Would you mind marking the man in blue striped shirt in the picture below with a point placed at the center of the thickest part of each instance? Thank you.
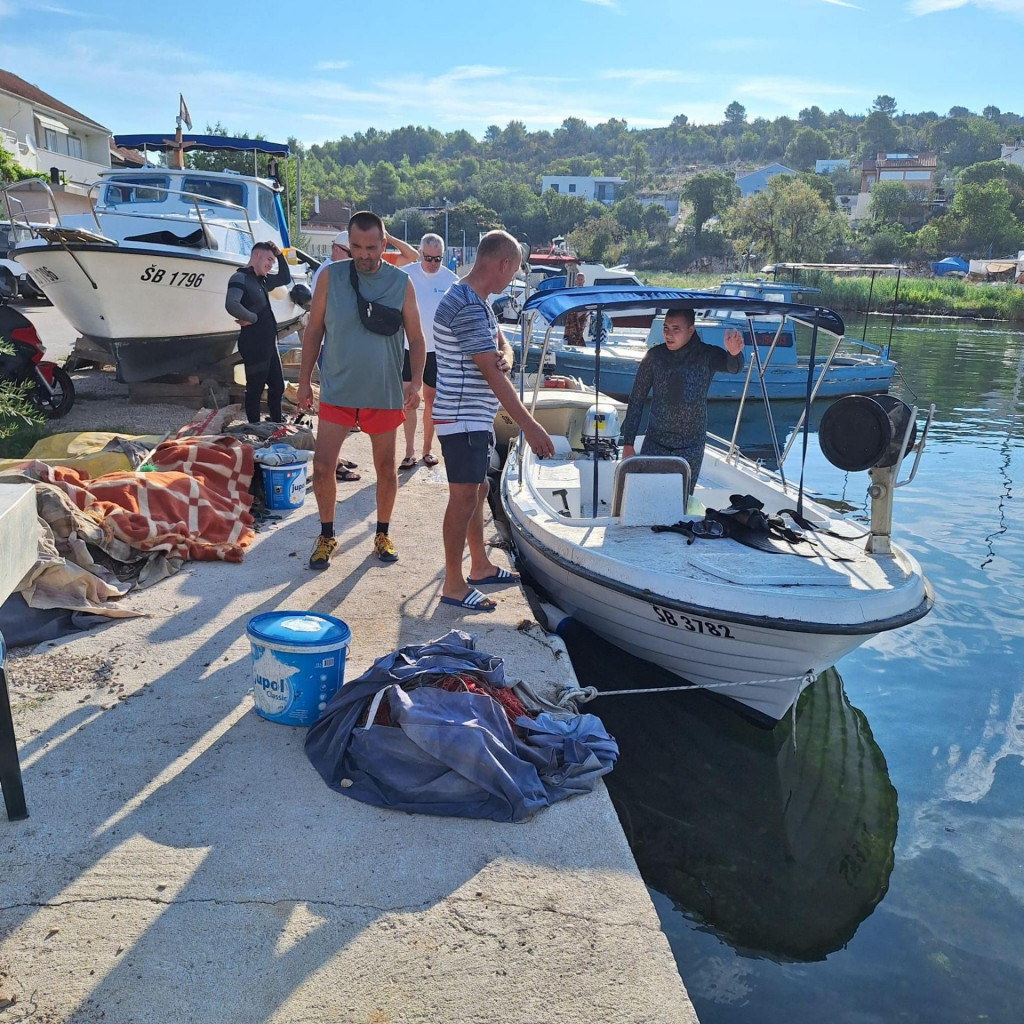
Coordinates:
(471, 382)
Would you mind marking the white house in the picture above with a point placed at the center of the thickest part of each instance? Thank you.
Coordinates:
(603, 190)
(1013, 153)
(41, 133)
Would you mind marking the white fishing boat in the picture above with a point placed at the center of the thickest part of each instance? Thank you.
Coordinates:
(144, 276)
(755, 608)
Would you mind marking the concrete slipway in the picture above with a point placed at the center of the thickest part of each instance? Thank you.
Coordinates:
(184, 863)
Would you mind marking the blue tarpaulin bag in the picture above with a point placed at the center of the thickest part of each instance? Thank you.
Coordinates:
(451, 753)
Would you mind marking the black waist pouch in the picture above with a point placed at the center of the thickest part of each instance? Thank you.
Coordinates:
(375, 316)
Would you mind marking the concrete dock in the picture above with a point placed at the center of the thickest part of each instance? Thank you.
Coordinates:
(184, 862)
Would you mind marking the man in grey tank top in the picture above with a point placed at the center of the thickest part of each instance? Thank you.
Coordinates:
(361, 376)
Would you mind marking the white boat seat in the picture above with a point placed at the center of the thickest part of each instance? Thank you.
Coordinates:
(563, 450)
(650, 490)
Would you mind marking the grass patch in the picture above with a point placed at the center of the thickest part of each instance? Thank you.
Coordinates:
(21, 438)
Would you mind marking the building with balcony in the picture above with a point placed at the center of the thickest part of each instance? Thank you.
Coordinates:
(601, 190)
(915, 170)
(45, 135)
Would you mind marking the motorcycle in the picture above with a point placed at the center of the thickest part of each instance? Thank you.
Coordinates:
(50, 387)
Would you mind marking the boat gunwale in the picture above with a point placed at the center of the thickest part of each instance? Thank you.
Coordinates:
(516, 519)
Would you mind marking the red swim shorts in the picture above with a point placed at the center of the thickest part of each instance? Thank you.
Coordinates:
(371, 421)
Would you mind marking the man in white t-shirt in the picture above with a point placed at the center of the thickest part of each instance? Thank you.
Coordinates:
(430, 280)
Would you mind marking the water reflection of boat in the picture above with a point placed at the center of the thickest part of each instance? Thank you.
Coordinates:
(781, 848)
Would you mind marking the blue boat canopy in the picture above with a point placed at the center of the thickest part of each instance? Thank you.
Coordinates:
(209, 143)
(551, 305)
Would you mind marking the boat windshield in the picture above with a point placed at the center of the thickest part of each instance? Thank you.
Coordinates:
(215, 188)
(138, 189)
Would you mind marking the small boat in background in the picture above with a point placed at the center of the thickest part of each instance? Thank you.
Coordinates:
(857, 367)
(143, 277)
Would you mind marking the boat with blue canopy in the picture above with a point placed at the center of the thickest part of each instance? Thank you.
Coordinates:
(143, 275)
(739, 582)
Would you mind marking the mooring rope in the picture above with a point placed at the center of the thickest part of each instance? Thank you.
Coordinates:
(584, 694)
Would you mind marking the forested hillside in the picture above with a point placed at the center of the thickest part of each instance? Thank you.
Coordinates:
(408, 174)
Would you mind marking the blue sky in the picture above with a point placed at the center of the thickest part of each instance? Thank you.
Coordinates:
(318, 70)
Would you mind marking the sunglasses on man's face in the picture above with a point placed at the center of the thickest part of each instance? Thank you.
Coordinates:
(431, 259)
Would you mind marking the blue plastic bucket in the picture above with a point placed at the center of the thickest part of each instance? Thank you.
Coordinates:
(298, 664)
(285, 486)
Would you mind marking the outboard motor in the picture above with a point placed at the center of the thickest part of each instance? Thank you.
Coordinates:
(873, 433)
(301, 296)
(601, 431)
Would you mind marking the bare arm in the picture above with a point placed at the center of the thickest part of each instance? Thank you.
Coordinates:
(312, 338)
(417, 346)
(536, 436)
(409, 254)
(506, 357)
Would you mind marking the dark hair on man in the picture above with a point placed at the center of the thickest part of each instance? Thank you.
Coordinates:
(366, 220)
(498, 245)
(685, 315)
(269, 246)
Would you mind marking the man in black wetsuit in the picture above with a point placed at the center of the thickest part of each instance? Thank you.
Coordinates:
(679, 373)
(249, 303)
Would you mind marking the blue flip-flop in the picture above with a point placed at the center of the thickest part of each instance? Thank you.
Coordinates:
(474, 601)
(501, 576)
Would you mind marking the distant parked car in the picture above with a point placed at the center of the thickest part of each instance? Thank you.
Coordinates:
(16, 277)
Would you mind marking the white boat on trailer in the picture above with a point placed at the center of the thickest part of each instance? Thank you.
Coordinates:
(756, 623)
(143, 277)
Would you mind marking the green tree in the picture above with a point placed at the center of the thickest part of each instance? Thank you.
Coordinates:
(656, 221)
(382, 187)
(813, 117)
(986, 220)
(885, 105)
(470, 216)
(710, 195)
(409, 224)
(597, 239)
(999, 170)
(787, 221)
(639, 165)
(877, 134)
(807, 146)
(11, 170)
(629, 213)
(892, 203)
(735, 113)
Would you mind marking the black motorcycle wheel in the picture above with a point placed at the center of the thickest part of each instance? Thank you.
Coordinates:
(58, 404)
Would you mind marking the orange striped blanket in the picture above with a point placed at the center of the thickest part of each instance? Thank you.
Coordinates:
(195, 506)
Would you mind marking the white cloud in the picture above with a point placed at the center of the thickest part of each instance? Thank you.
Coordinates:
(789, 92)
(842, 3)
(601, 3)
(919, 8)
(331, 65)
(642, 77)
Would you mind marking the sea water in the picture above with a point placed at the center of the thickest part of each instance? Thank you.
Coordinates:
(871, 866)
